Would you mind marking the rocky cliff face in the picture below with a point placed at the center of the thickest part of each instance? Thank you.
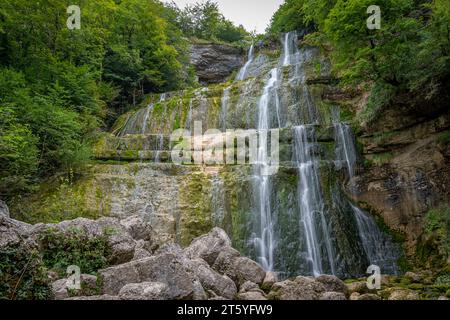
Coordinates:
(215, 62)
(406, 170)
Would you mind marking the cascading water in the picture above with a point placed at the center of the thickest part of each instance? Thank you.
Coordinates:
(145, 121)
(297, 221)
(160, 141)
(224, 108)
(243, 72)
(189, 117)
(264, 240)
(378, 247)
(218, 200)
(345, 146)
(290, 47)
(312, 221)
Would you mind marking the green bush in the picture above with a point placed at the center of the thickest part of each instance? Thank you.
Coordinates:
(23, 275)
(60, 250)
(433, 246)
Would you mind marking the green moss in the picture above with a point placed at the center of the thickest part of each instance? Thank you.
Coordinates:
(416, 286)
(57, 200)
(195, 219)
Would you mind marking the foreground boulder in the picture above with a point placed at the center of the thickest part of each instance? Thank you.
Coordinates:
(144, 291)
(221, 285)
(333, 284)
(300, 288)
(209, 246)
(165, 268)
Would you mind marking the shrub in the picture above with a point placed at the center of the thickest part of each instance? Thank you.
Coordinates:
(60, 250)
(23, 275)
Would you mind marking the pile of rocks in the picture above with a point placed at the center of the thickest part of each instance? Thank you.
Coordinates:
(143, 268)
(209, 268)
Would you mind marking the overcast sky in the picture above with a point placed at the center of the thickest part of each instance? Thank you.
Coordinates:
(252, 14)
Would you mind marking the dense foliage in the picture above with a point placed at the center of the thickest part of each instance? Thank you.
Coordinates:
(434, 245)
(58, 86)
(61, 250)
(411, 51)
(203, 20)
(23, 275)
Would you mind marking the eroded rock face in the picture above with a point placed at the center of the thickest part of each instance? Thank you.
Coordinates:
(215, 62)
(410, 179)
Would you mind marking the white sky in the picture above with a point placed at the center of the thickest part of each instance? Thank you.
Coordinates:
(252, 14)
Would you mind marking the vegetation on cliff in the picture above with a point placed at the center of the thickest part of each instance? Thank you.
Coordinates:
(59, 86)
(409, 54)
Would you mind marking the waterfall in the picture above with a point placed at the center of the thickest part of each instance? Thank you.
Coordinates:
(224, 108)
(218, 200)
(189, 117)
(378, 247)
(312, 220)
(160, 143)
(243, 72)
(345, 146)
(159, 148)
(138, 122)
(298, 220)
(290, 47)
(147, 113)
(264, 241)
